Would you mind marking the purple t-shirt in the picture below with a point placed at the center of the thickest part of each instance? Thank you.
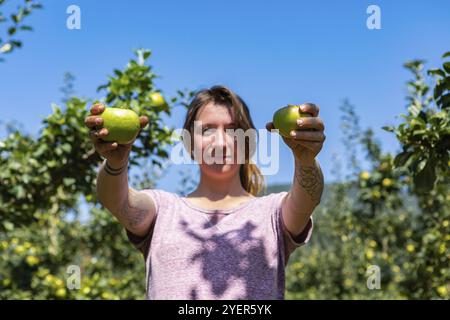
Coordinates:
(195, 253)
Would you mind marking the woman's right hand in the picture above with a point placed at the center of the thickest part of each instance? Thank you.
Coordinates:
(116, 154)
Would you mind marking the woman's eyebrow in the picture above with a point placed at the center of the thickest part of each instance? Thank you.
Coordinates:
(214, 125)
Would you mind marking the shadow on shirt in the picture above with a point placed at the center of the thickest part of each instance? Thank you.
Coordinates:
(234, 258)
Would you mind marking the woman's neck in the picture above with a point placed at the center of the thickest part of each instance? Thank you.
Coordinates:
(216, 190)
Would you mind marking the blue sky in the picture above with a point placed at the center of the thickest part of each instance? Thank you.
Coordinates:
(270, 52)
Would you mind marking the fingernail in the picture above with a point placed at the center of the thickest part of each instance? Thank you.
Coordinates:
(299, 122)
(98, 121)
(293, 133)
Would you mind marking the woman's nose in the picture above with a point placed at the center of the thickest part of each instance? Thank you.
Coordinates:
(220, 142)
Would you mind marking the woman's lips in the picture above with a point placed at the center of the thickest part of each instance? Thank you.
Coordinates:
(225, 160)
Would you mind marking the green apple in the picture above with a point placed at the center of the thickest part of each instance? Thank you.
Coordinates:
(157, 99)
(285, 119)
(123, 125)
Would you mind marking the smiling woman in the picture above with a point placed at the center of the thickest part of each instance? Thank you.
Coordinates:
(222, 241)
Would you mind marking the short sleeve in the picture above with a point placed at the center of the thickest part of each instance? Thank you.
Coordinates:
(143, 243)
(286, 241)
(291, 243)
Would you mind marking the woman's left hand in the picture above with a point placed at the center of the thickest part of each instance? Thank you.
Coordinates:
(307, 141)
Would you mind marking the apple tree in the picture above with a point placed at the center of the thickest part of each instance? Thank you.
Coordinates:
(50, 218)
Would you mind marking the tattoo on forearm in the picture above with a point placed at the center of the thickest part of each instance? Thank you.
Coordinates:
(311, 179)
(134, 215)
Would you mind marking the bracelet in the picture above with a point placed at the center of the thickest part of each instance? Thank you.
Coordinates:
(112, 171)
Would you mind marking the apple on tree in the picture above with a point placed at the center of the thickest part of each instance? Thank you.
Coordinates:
(157, 99)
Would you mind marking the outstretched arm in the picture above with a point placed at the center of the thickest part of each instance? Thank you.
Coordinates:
(304, 196)
(134, 209)
(306, 192)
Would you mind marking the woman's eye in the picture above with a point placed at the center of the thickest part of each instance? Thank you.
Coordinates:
(210, 131)
(230, 131)
(207, 131)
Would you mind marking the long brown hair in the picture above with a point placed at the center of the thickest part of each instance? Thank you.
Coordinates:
(251, 178)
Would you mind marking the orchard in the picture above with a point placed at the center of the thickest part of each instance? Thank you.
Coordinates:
(391, 217)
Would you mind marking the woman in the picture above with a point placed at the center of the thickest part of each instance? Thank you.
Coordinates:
(221, 241)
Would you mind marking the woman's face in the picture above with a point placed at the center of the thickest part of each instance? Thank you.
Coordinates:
(216, 148)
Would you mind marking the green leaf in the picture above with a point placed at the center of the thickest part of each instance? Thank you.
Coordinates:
(401, 158)
(438, 72)
(388, 128)
(15, 18)
(438, 90)
(8, 225)
(162, 153)
(26, 178)
(419, 132)
(20, 192)
(421, 165)
(445, 55)
(66, 147)
(102, 87)
(446, 83)
(26, 28)
(12, 31)
(423, 116)
(414, 110)
(68, 181)
(146, 55)
(418, 122)
(447, 66)
(425, 179)
(445, 100)
(413, 65)
(16, 43)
